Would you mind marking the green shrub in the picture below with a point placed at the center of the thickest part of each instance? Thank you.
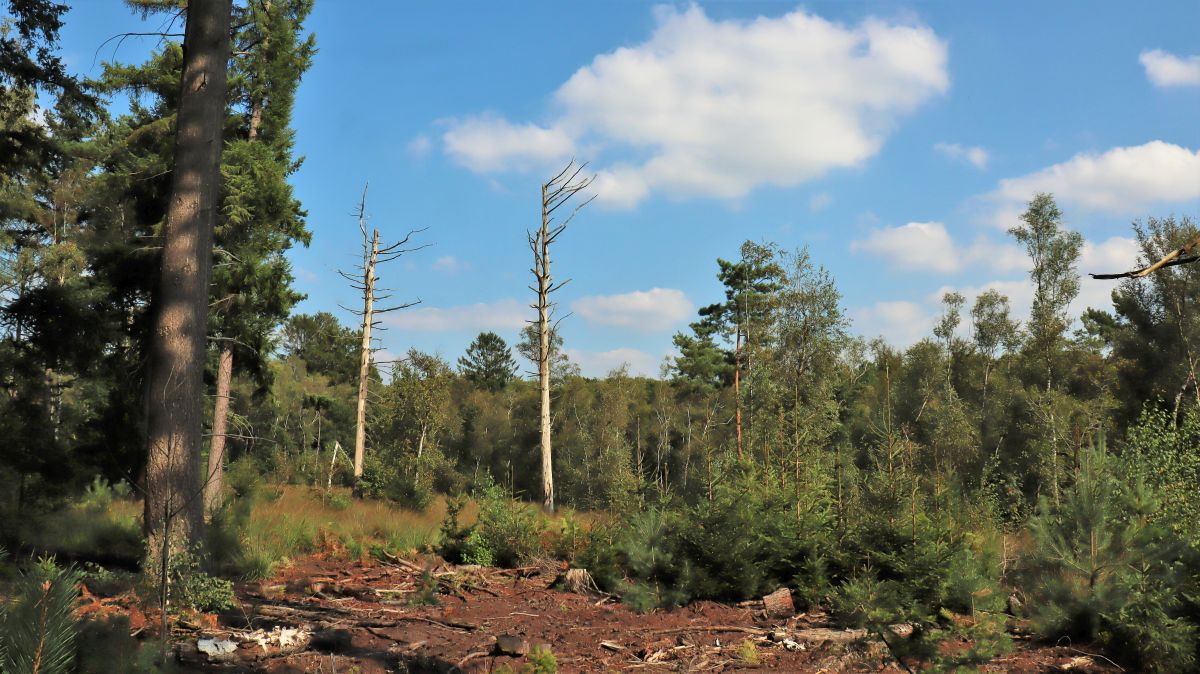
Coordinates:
(542, 661)
(191, 587)
(1105, 570)
(508, 530)
(384, 481)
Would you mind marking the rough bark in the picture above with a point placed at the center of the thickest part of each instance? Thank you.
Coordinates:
(215, 483)
(174, 513)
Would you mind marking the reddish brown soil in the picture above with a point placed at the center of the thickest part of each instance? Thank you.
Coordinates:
(365, 623)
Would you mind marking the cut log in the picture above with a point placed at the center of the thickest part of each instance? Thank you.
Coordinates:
(779, 603)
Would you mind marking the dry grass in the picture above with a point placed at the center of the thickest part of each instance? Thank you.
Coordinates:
(294, 521)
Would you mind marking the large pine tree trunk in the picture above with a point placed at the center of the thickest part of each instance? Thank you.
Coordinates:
(215, 483)
(174, 512)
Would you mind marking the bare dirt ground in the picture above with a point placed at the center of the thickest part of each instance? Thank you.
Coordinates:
(329, 615)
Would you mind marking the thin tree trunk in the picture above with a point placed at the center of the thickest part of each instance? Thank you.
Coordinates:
(364, 367)
(214, 485)
(175, 380)
(737, 388)
(544, 355)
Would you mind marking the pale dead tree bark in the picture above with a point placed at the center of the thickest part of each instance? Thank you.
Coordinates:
(175, 382)
(556, 192)
(365, 280)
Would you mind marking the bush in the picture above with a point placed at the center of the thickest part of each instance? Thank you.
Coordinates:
(192, 588)
(386, 482)
(508, 530)
(1105, 570)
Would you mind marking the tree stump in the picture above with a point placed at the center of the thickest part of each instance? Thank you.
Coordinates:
(779, 603)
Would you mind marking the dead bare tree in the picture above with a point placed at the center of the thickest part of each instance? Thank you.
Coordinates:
(365, 280)
(556, 192)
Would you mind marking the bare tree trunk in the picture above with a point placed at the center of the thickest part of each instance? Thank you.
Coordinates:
(544, 358)
(214, 485)
(555, 192)
(175, 381)
(737, 388)
(364, 367)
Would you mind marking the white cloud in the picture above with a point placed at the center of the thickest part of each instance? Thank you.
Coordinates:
(448, 264)
(1113, 254)
(900, 323)
(489, 143)
(1121, 181)
(600, 363)
(420, 146)
(1165, 69)
(820, 201)
(928, 246)
(976, 156)
(506, 314)
(645, 310)
(717, 108)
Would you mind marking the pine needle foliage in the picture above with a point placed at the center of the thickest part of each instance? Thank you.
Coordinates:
(38, 633)
(1105, 571)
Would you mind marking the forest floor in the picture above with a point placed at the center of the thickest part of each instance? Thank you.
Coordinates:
(325, 614)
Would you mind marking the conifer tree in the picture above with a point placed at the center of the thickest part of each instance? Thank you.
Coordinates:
(488, 362)
(260, 217)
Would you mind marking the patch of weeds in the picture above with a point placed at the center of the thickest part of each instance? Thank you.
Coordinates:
(193, 588)
(541, 661)
(104, 582)
(747, 652)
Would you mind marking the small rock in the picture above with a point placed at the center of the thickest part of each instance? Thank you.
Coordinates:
(508, 644)
(216, 649)
(779, 635)
(790, 645)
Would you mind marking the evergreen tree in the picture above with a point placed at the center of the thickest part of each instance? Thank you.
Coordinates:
(488, 363)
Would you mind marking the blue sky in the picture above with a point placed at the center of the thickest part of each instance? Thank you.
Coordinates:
(895, 140)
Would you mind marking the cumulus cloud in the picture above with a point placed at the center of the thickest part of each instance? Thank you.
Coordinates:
(1165, 69)
(646, 310)
(1116, 253)
(928, 246)
(903, 323)
(600, 363)
(1120, 181)
(506, 314)
(717, 108)
(488, 143)
(900, 323)
(976, 156)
